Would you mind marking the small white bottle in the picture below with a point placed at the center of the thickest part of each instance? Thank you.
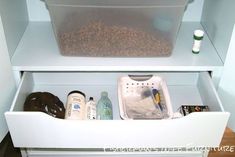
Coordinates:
(198, 36)
(91, 109)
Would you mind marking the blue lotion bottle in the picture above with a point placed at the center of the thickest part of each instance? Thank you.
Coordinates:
(104, 109)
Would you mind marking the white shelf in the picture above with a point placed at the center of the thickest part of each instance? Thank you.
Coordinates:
(38, 51)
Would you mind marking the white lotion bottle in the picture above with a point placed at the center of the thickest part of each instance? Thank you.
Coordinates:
(91, 109)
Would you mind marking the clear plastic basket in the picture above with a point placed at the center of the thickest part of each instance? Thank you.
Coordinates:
(137, 99)
(116, 28)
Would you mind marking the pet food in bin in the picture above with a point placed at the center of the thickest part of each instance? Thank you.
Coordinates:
(144, 97)
(116, 28)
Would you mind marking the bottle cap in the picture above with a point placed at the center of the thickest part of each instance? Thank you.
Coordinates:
(76, 91)
(91, 98)
(104, 93)
(198, 34)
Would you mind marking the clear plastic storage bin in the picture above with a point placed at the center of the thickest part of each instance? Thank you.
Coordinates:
(116, 28)
(144, 97)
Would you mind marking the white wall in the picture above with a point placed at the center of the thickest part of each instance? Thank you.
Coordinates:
(15, 19)
(218, 19)
(7, 82)
(193, 11)
(226, 88)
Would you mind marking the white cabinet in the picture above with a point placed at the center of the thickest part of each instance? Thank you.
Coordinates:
(33, 51)
(7, 83)
(226, 90)
(217, 19)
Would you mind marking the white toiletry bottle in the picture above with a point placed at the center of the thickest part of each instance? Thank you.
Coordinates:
(91, 109)
(198, 36)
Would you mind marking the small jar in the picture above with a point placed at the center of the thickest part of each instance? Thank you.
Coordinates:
(76, 106)
(198, 36)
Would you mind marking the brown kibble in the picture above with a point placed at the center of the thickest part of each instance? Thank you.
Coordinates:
(99, 40)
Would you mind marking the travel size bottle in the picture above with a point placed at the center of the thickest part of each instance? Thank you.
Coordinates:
(198, 36)
(91, 109)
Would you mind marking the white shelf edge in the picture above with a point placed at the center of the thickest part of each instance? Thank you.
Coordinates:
(116, 69)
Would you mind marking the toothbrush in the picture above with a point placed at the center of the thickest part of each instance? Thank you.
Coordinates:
(157, 99)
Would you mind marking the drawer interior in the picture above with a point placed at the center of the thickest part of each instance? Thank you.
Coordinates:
(184, 88)
(39, 130)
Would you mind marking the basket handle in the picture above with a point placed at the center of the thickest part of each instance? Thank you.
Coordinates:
(140, 77)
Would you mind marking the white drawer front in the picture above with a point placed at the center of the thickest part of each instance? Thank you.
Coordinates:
(39, 130)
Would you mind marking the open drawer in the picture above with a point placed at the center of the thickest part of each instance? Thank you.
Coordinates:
(39, 130)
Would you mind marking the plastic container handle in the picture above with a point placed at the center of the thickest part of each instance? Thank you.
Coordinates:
(140, 77)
